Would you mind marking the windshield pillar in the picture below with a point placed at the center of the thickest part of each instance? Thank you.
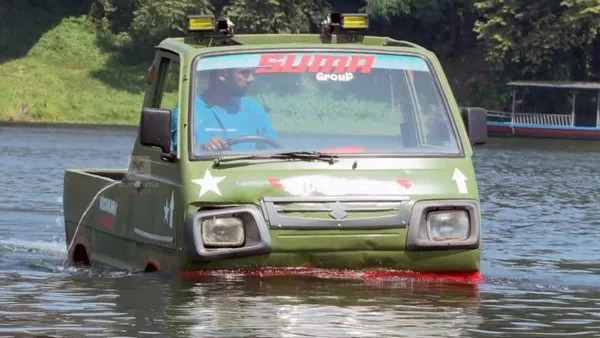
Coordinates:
(512, 114)
(573, 108)
(598, 110)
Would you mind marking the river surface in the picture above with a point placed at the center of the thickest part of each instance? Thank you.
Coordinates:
(541, 259)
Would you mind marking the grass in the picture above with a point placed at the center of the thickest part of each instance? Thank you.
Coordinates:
(70, 75)
(67, 78)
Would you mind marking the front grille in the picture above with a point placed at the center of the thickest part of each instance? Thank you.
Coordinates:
(335, 212)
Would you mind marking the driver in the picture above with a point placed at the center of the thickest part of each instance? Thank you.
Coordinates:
(223, 112)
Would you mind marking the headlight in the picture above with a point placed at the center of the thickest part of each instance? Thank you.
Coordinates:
(448, 225)
(226, 232)
(444, 225)
(223, 232)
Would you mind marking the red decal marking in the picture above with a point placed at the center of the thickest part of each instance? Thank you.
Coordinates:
(270, 63)
(340, 63)
(275, 183)
(290, 65)
(365, 63)
(404, 183)
(328, 64)
(107, 222)
(453, 277)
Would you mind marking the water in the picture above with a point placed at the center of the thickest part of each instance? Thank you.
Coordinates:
(540, 259)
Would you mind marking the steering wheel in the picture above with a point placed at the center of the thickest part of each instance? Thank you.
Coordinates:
(253, 138)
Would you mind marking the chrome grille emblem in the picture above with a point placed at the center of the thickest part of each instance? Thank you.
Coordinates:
(338, 211)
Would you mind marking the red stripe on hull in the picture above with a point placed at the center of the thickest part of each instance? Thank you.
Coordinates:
(498, 131)
(458, 277)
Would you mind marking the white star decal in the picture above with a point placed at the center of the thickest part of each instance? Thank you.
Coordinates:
(168, 210)
(209, 183)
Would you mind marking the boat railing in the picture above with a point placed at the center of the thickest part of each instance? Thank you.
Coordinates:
(531, 118)
(497, 114)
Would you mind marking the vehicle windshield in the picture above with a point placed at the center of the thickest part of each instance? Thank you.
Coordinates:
(331, 102)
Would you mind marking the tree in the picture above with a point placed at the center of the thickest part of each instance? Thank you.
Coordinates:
(538, 38)
(276, 16)
(154, 20)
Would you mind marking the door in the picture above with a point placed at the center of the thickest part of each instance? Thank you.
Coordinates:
(155, 182)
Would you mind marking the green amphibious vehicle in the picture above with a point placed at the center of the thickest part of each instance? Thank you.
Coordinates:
(335, 150)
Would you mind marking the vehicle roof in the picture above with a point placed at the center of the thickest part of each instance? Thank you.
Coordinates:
(557, 84)
(190, 47)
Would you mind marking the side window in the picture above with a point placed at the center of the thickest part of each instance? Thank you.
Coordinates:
(433, 116)
(167, 91)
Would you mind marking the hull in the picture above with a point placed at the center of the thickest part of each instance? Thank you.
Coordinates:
(400, 260)
(498, 129)
(379, 275)
(371, 220)
(368, 251)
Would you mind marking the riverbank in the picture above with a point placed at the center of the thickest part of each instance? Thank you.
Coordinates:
(69, 77)
(67, 125)
(73, 75)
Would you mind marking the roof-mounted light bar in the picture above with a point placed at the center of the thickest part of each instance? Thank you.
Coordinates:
(350, 21)
(203, 24)
(199, 23)
(347, 25)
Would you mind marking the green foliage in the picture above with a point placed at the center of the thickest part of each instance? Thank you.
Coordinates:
(388, 8)
(284, 16)
(72, 43)
(132, 28)
(318, 113)
(583, 16)
(58, 65)
(155, 20)
(22, 24)
(59, 81)
(536, 36)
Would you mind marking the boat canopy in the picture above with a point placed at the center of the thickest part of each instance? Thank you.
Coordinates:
(578, 85)
(548, 110)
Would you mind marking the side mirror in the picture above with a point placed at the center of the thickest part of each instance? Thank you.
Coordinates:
(475, 120)
(155, 129)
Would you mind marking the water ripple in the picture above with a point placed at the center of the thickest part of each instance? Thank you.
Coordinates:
(540, 235)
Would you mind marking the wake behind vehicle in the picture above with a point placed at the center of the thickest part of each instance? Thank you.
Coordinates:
(347, 151)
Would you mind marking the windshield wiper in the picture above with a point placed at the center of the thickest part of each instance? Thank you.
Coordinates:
(307, 155)
(231, 158)
(303, 155)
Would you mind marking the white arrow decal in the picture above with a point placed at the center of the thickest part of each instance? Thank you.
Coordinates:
(168, 210)
(461, 181)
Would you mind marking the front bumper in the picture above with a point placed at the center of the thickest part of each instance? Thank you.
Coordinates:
(277, 235)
